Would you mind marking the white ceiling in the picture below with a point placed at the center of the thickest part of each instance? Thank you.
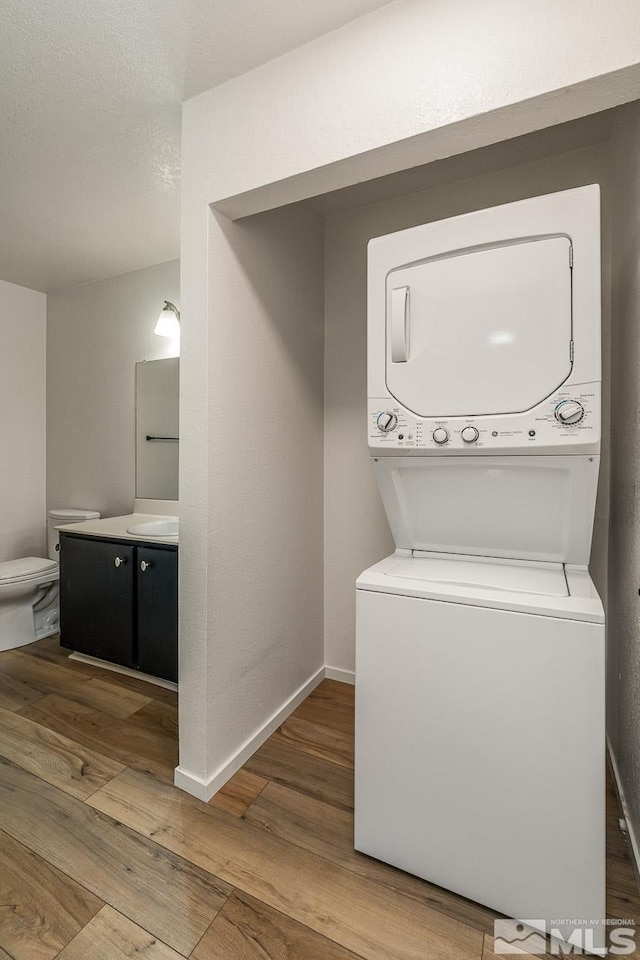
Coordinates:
(90, 94)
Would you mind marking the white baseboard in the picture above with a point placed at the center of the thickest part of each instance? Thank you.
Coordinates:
(344, 676)
(633, 840)
(205, 789)
(194, 785)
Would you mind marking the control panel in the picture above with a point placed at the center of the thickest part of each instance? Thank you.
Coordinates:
(568, 418)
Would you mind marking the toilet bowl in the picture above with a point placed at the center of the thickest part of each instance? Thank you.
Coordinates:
(29, 588)
(28, 601)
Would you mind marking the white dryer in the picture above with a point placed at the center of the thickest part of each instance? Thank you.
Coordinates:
(480, 742)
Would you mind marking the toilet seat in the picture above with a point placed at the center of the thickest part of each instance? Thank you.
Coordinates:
(28, 568)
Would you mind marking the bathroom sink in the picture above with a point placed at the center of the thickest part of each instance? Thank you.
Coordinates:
(155, 528)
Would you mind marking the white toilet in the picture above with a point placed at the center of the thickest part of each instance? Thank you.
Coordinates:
(29, 587)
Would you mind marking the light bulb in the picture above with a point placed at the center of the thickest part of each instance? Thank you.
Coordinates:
(167, 325)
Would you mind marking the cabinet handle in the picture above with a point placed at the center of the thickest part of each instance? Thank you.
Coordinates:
(120, 561)
(144, 566)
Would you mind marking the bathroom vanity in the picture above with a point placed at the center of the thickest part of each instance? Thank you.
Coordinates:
(119, 575)
(119, 595)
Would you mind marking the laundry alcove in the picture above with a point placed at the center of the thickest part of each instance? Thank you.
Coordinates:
(280, 511)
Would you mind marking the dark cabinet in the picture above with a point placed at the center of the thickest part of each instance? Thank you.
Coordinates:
(119, 602)
(96, 599)
(157, 613)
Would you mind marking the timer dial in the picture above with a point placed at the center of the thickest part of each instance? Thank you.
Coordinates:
(386, 422)
(569, 411)
(440, 435)
(470, 434)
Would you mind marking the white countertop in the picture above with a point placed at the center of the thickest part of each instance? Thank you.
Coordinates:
(116, 528)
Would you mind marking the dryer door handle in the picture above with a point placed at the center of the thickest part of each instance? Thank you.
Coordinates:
(400, 325)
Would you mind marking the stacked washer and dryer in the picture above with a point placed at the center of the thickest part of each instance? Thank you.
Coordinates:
(480, 738)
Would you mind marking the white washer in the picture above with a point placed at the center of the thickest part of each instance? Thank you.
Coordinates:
(480, 745)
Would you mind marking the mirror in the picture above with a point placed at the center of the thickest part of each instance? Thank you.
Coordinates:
(157, 425)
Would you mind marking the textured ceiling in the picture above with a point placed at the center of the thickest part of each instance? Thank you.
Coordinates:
(90, 94)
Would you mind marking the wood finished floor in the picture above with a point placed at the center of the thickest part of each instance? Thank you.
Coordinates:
(101, 858)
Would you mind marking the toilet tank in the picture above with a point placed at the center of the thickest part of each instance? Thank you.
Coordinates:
(61, 517)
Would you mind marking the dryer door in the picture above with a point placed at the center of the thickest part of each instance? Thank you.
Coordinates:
(480, 332)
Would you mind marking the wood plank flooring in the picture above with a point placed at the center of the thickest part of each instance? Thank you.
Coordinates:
(37, 898)
(101, 858)
(110, 936)
(61, 762)
(248, 929)
(131, 744)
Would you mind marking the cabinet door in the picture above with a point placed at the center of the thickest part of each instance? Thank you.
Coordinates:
(158, 612)
(96, 598)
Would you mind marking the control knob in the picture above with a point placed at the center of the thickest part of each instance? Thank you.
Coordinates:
(569, 411)
(387, 422)
(440, 435)
(470, 434)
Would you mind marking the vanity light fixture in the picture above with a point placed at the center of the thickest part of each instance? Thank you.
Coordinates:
(168, 324)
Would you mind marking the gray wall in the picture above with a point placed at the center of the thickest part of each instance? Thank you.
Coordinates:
(22, 422)
(96, 333)
(624, 544)
(261, 589)
(356, 530)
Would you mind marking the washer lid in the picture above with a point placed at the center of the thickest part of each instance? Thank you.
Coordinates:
(27, 568)
(71, 515)
(522, 508)
(546, 579)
